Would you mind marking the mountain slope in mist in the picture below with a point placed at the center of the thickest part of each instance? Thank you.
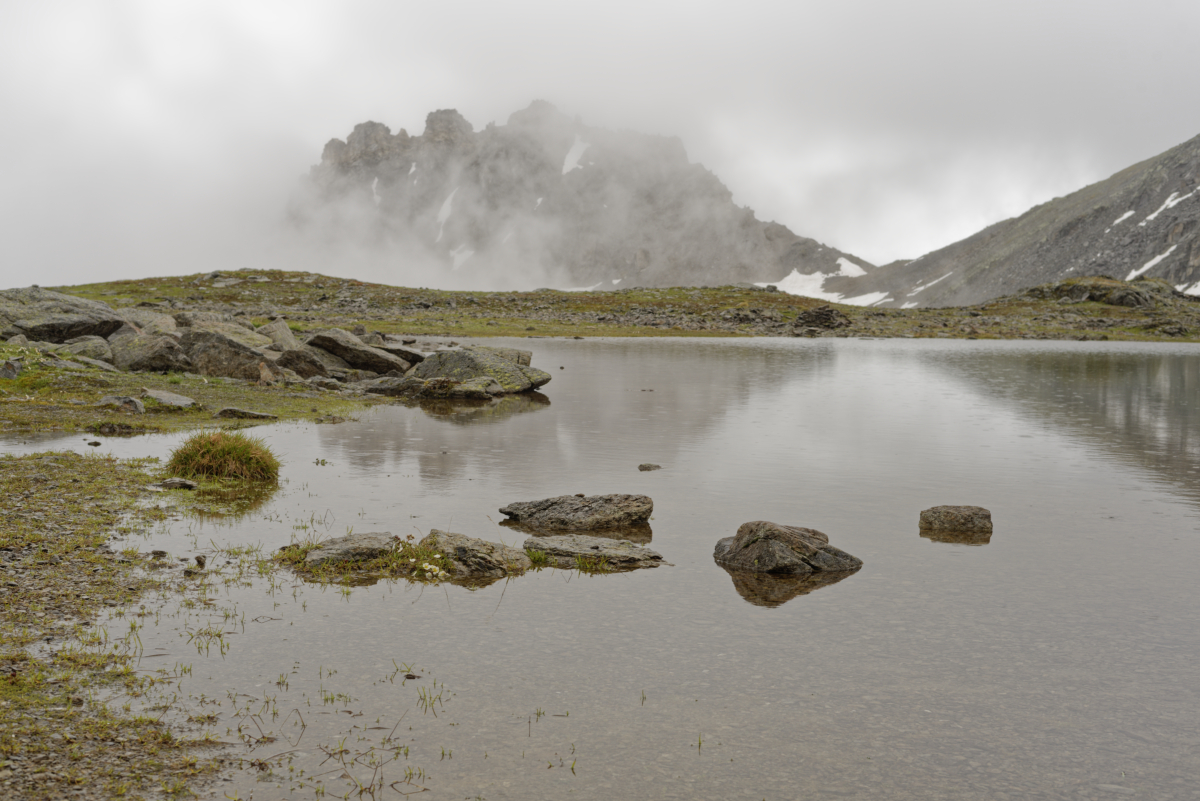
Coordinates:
(545, 200)
(1143, 221)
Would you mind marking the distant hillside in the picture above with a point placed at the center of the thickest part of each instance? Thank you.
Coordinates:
(547, 200)
(1143, 221)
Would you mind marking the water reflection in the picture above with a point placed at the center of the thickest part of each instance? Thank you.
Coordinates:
(640, 533)
(774, 589)
(470, 412)
(958, 537)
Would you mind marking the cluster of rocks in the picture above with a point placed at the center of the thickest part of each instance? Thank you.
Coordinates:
(151, 337)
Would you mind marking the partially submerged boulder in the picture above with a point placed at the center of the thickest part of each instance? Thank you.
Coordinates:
(581, 513)
(464, 365)
(355, 352)
(481, 388)
(351, 548)
(764, 547)
(957, 518)
(594, 553)
(514, 355)
(476, 559)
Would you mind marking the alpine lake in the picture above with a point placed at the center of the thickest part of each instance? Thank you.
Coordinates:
(1059, 659)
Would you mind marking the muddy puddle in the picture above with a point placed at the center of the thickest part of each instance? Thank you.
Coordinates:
(1056, 659)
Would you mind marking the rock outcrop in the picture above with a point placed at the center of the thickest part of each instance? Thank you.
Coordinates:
(546, 198)
(216, 352)
(764, 547)
(467, 365)
(46, 316)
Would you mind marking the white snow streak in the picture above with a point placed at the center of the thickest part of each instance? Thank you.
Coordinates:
(849, 268)
(1123, 217)
(571, 162)
(1135, 273)
(1171, 202)
(444, 214)
(923, 287)
(460, 255)
(912, 304)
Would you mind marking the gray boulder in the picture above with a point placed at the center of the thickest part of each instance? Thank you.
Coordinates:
(163, 325)
(279, 333)
(140, 316)
(403, 351)
(764, 547)
(155, 353)
(10, 369)
(474, 559)
(169, 398)
(93, 347)
(351, 548)
(581, 513)
(303, 363)
(595, 553)
(187, 319)
(957, 518)
(215, 353)
(463, 365)
(333, 364)
(123, 402)
(355, 352)
(126, 330)
(44, 315)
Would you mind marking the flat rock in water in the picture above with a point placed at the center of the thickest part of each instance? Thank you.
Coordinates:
(355, 352)
(477, 559)
(351, 548)
(168, 398)
(957, 518)
(581, 513)
(764, 547)
(566, 550)
(243, 414)
(124, 403)
(465, 365)
(176, 483)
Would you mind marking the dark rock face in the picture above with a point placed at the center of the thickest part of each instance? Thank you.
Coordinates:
(216, 353)
(355, 352)
(302, 363)
(467, 365)
(764, 547)
(569, 551)
(548, 198)
(142, 352)
(475, 559)
(581, 513)
(46, 316)
(776, 589)
(957, 518)
(351, 548)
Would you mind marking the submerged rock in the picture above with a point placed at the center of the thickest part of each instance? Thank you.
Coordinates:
(957, 518)
(647, 467)
(764, 547)
(351, 548)
(581, 513)
(776, 589)
(596, 553)
(466, 365)
(477, 559)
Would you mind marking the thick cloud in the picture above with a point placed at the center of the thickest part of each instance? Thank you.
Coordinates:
(154, 138)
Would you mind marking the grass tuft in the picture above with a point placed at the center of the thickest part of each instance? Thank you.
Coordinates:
(224, 454)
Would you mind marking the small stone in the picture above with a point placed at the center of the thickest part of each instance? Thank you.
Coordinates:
(201, 560)
(648, 467)
(124, 403)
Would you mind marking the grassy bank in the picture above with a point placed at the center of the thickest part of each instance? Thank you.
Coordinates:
(310, 301)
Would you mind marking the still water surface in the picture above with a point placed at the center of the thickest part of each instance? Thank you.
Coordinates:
(1059, 660)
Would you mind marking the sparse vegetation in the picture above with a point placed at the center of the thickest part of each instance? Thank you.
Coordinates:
(224, 454)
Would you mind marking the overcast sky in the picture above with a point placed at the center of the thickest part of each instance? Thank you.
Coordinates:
(161, 138)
